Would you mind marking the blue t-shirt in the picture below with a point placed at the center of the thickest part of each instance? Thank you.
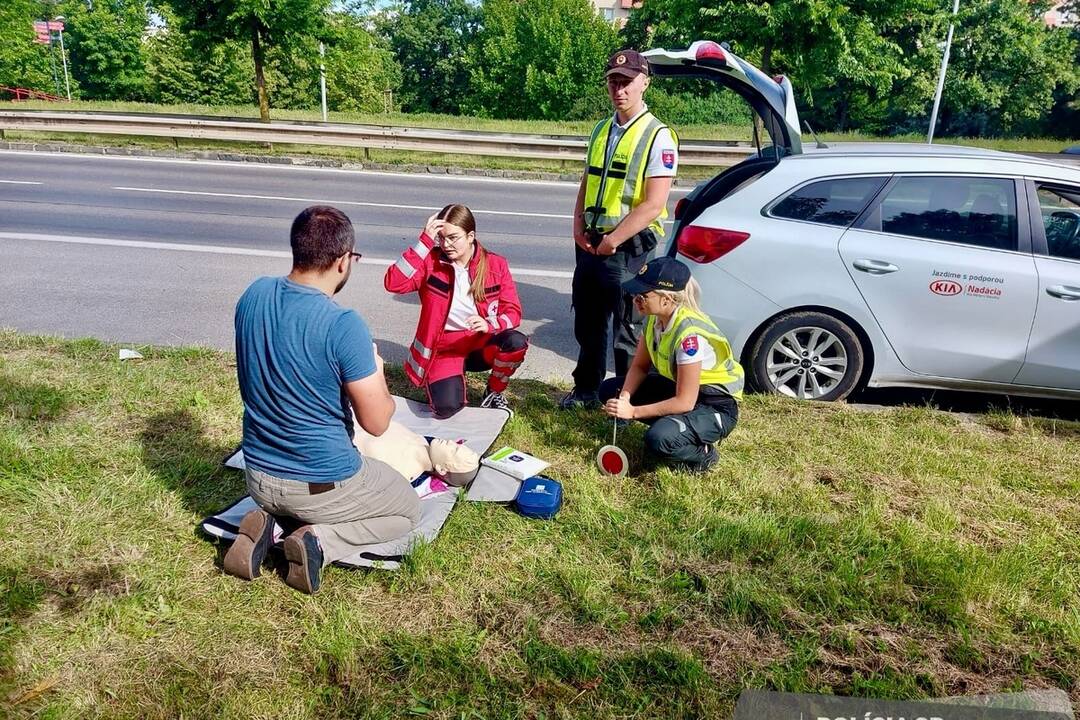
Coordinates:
(295, 350)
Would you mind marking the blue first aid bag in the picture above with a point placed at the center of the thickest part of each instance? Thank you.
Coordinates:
(539, 497)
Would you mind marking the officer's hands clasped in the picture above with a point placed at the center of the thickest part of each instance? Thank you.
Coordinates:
(606, 246)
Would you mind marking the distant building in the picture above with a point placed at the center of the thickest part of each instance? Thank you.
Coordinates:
(616, 11)
(1060, 16)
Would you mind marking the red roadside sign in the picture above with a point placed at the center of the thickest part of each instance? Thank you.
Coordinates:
(43, 29)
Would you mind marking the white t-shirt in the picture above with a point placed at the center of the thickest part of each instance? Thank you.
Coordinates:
(462, 306)
(663, 156)
(693, 348)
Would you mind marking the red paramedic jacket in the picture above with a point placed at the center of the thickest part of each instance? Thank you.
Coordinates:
(424, 268)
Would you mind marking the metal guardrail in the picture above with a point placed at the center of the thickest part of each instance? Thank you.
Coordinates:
(467, 142)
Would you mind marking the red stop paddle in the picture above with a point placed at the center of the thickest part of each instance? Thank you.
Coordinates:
(611, 460)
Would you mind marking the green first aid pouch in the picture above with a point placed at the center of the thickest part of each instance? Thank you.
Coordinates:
(539, 497)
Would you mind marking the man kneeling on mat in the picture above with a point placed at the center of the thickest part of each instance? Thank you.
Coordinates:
(302, 360)
(683, 380)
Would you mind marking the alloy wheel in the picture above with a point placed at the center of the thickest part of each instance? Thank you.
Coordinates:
(806, 363)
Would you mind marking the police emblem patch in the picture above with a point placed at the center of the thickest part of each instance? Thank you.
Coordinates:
(668, 158)
(621, 60)
(690, 345)
(643, 269)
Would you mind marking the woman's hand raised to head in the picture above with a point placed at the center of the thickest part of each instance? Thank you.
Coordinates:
(434, 226)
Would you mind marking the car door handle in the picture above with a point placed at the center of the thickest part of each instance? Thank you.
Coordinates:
(1064, 292)
(874, 267)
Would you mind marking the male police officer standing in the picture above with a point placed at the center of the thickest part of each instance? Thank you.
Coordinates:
(618, 219)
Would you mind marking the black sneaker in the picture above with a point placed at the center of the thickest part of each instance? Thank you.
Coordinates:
(254, 538)
(496, 401)
(709, 458)
(576, 398)
(305, 561)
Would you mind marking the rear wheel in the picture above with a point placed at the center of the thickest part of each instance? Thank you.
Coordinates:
(807, 355)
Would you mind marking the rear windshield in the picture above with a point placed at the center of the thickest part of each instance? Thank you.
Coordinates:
(726, 184)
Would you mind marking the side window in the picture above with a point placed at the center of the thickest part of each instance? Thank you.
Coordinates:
(832, 202)
(1060, 209)
(968, 210)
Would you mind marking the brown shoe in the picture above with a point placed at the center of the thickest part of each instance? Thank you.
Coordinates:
(253, 540)
(305, 558)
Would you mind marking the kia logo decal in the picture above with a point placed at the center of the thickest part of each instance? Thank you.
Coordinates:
(946, 287)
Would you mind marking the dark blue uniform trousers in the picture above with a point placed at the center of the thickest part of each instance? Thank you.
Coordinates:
(678, 438)
(604, 313)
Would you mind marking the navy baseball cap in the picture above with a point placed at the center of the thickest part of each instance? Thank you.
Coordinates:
(662, 273)
(628, 63)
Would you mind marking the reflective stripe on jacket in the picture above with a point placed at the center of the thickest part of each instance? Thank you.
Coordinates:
(613, 189)
(425, 269)
(727, 374)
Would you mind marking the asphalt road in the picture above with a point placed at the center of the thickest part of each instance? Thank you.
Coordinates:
(151, 251)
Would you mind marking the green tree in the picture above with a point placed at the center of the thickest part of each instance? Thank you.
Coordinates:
(104, 46)
(263, 23)
(180, 71)
(841, 45)
(1064, 119)
(538, 58)
(872, 65)
(359, 67)
(23, 62)
(430, 39)
(1005, 68)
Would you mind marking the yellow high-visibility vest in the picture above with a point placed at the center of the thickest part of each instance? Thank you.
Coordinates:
(727, 374)
(614, 188)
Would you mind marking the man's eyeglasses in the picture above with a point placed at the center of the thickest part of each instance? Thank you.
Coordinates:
(355, 256)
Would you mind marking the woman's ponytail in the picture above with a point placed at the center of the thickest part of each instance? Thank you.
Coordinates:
(692, 295)
(480, 280)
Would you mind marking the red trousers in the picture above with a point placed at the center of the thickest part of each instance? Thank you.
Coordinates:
(462, 351)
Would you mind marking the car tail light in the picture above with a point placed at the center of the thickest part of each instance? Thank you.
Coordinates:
(708, 50)
(703, 245)
(679, 207)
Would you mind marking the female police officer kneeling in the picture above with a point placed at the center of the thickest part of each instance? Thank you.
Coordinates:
(683, 380)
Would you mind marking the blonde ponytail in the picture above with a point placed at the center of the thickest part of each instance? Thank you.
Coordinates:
(689, 297)
(692, 295)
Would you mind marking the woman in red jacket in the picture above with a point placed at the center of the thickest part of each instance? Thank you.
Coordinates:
(469, 310)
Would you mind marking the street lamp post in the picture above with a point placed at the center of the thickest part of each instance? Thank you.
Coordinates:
(63, 56)
(322, 78)
(941, 73)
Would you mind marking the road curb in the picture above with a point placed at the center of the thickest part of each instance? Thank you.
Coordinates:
(313, 161)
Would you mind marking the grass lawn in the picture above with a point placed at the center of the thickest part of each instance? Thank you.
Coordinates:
(901, 553)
